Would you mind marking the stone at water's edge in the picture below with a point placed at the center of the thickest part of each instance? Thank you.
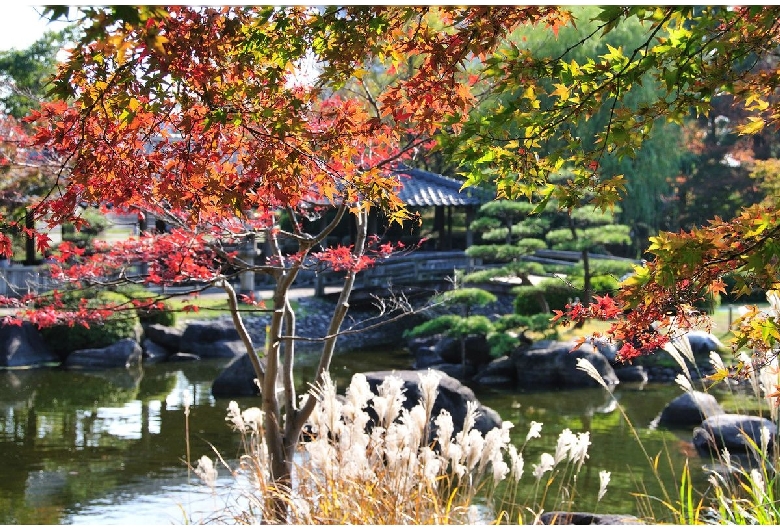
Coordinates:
(201, 332)
(453, 396)
(586, 518)
(690, 409)
(553, 364)
(500, 372)
(121, 354)
(154, 352)
(631, 374)
(236, 379)
(24, 346)
(477, 350)
(729, 431)
(166, 336)
(208, 339)
(702, 343)
(220, 349)
(183, 357)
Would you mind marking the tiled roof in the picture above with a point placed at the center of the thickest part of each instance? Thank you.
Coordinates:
(423, 188)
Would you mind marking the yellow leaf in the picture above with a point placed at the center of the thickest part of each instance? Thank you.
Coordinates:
(755, 124)
(562, 91)
(755, 102)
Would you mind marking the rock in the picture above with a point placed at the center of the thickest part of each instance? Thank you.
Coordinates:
(477, 350)
(452, 396)
(220, 349)
(607, 349)
(183, 357)
(500, 372)
(553, 364)
(166, 336)
(236, 380)
(153, 352)
(123, 353)
(726, 431)
(574, 377)
(424, 351)
(455, 370)
(201, 332)
(24, 346)
(585, 518)
(631, 374)
(689, 409)
(702, 343)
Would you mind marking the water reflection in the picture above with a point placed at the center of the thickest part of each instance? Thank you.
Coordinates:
(67, 438)
(110, 447)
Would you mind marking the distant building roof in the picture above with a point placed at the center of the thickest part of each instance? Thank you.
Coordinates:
(423, 188)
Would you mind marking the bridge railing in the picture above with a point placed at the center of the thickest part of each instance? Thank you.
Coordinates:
(19, 280)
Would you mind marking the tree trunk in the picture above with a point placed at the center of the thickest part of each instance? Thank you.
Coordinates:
(29, 239)
(283, 422)
(587, 289)
(462, 341)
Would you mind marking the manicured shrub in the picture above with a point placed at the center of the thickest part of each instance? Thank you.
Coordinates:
(63, 339)
(165, 316)
(556, 292)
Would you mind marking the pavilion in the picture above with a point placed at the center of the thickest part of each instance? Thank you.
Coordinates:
(423, 189)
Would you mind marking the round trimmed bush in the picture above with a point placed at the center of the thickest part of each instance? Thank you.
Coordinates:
(556, 292)
(165, 316)
(63, 339)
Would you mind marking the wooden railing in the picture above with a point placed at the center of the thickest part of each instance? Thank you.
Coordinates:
(410, 269)
(19, 280)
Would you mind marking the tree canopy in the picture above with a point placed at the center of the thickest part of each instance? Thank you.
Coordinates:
(218, 119)
(699, 60)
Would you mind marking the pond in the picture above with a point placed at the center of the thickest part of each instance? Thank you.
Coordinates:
(109, 447)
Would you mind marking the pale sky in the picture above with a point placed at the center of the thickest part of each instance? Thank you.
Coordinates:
(21, 25)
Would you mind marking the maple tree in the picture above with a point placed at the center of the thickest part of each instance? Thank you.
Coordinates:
(24, 73)
(25, 177)
(693, 56)
(206, 118)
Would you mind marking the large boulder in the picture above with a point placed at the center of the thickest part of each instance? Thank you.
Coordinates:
(553, 364)
(453, 396)
(456, 370)
(477, 350)
(499, 373)
(153, 352)
(24, 346)
(632, 374)
(166, 336)
(587, 518)
(200, 333)
(608, 349)
(220, 349)
(730, 431)
(124, 353)
(690, 408)
(702, 343)
(423, 349)
(237, 379)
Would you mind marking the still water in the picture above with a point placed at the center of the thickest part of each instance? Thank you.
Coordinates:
(109, 447)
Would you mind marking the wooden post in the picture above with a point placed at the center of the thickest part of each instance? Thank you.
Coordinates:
(470, 213)
(449, 228)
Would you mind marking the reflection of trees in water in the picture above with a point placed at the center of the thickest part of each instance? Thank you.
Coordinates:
(68, 437)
